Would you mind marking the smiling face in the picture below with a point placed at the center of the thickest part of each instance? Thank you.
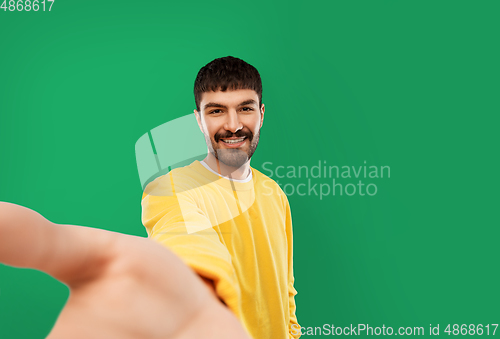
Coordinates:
(231, 122)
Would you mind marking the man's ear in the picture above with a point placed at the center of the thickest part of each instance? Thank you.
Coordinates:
(198, 120)
(262, 109)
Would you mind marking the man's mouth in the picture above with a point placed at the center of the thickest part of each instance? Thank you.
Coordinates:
(233, 142)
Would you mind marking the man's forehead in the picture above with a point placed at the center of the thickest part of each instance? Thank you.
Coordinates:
(229, 97)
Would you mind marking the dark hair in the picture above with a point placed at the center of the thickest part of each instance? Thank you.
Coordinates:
(226, 73)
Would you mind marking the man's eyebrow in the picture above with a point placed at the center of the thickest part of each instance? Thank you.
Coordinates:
(213, 104)
(248, 102)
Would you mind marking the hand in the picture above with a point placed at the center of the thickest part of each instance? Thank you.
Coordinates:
(121, 286)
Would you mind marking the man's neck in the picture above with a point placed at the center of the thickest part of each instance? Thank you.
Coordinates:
(238, 173)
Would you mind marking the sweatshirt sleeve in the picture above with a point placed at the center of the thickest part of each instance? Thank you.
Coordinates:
(166, 222)
(293, 326)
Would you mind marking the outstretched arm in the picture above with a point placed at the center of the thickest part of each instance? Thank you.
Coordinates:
(29, 240)
(121, 286)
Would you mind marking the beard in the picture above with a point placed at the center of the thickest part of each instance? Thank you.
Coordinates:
(233, 157)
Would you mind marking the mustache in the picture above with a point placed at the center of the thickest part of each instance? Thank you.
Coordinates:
(239, 134)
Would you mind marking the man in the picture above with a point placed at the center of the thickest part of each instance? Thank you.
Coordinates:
(227, 221)
(124, 287)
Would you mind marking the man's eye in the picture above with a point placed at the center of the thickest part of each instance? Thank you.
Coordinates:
(215, 111)
(247, 109)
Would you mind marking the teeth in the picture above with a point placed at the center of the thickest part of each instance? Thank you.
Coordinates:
(233, 141)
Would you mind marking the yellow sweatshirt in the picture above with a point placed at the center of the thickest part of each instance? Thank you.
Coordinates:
(238, 234)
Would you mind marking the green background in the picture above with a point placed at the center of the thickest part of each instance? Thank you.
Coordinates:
(410, 85)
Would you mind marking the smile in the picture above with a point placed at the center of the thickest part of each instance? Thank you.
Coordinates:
(234, 142)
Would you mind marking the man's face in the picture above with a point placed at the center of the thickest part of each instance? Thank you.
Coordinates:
(231, 123)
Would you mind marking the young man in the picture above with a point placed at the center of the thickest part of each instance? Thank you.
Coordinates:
(238, 240)
(227, 221)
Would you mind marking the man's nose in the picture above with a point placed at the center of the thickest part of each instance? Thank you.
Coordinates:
(233, 122)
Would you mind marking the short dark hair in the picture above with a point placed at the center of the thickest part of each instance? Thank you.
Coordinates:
(226, 73)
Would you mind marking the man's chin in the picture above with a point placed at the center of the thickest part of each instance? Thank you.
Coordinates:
(232, 157)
